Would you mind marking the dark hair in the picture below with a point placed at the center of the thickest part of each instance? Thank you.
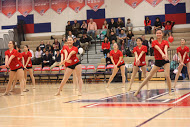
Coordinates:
(27, 47)
(131, 32)
(37, 48)
(139, 38)
(151, 39)
(158, 18)
(128, 19)
(107, 39)
(14, 44)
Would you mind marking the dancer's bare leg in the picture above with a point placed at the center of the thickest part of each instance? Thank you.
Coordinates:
(135, 70)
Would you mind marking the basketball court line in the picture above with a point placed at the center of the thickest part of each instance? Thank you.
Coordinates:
(53, 99)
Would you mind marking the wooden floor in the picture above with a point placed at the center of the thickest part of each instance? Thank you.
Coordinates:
(98, 107)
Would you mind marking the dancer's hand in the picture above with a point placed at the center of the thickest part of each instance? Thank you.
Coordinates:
(137, 62)
(68, 61)
(164, 57)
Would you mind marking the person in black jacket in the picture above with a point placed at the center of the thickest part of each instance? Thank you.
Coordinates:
(68, 28)
(145, 42)
(113, 36)
(120, 25)
(47, 59)
(157, 25)
(112, 26)
(57, 60)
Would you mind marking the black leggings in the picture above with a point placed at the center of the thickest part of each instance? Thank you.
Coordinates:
(106, 51)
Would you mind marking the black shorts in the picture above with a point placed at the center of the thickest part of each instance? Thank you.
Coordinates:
(17, 69)
(120, 65)
(29, 67)
(160, 63)
(73, 66)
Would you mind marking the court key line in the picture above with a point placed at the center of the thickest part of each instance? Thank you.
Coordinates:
(52, 99)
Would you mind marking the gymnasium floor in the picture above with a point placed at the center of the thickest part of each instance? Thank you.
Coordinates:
(98, 107)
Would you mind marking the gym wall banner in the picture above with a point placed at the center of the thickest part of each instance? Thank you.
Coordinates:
(76, 5)
(133, 3)
(25, 7)
(41, 6)
(95, 4)
(174, 2)
(8, 7)
(154, 2)
(59, 5)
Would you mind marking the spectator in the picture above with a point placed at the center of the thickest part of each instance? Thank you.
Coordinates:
(48, 45)
(129, 25)
(108, 61)
(157, 25)
(112, 25)
(147, 23)
(120, 26)
(150, 46)
(38, 56)
(168, 27)
(42, 45)
(105, 46)
(63, 41)
(105, 26)
(68, 28)
(122, 46)
(47, 59)
(43, 52)
(112, 43)
(92, 28)
(76, 43)
(113, 36)
(51, 50)
(70, 34)
(122, 36)
(145, 42)
(129, 36)
(84, 26)
(132, 44)
(76, 28)
(56, 44)
(84, 41)
(57, 60)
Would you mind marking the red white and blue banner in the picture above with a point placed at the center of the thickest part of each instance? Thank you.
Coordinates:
(174, 2)
(59, 5)
(25, 7)
(76, 5)
(41, 6)
(154, 2)
(133, 3)
(8, 7)
(95, 4)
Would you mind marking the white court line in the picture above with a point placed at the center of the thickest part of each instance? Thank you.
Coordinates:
(91, 105)
(181, 99)
(64, 117)
(52, 99)
(166, 100)
(156, 96)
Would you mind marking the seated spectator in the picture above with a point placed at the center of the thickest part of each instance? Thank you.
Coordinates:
(38, 56)
(129, 36)
(157, 25)
(122, 36)
(108, 61)
(76, 43)
(84, 41)
(105, 46)
(51, 50)
(150, 46)
(57, 60)
(113, 36)
(76, 28)
(56, 44)
(84, 26)
(48, 45)
(112, 26)
(129, 25)
(68, 28)
(92, 28)
(132, 44)
(148, 27)
(63, 41)
(122, 46)
(47, 59)
(112, 43)
(168, 27)
(120, 26)
(42, 45)
(105, 27)
(145, 42)
(43, 52)
(70, 34)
